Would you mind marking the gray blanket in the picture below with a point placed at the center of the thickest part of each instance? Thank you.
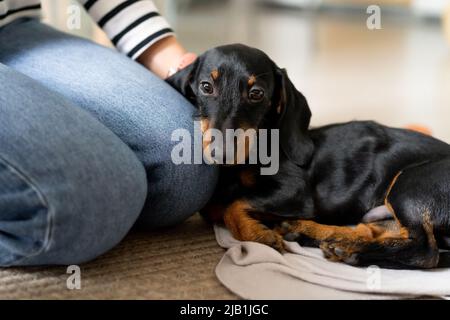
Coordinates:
(255, 271)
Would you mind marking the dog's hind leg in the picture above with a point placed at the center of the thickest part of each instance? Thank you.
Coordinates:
(418, 200)
(413, 247)
(408, 244)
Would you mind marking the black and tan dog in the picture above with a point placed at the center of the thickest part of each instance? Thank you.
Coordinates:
(329, 177)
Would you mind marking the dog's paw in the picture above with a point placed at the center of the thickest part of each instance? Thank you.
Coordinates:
(340, 251)
(261, 234)
(289, 230)
(272, 239)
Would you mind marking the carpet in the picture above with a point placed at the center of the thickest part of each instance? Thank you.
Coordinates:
(176, 263)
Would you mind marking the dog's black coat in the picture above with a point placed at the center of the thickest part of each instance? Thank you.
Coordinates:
(333, 174)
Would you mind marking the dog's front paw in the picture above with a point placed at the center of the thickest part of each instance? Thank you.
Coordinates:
(270, 238)
(289, 230)
(261, 234)
(340, 251)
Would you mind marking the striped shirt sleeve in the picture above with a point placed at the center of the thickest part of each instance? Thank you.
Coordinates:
(132, 25)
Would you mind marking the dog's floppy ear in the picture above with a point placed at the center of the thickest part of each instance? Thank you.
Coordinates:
(181, 80)
(294, 120)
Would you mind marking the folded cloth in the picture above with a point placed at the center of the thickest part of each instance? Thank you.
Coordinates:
(255, 271)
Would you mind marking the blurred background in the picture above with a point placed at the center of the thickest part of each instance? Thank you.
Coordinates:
(397, 75)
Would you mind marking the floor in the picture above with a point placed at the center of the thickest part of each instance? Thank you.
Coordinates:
(169, 264)
(397, 75)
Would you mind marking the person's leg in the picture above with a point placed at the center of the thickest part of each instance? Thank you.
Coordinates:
(136, 105)
(69, 188)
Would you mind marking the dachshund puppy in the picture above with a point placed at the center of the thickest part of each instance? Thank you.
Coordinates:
(328, 177)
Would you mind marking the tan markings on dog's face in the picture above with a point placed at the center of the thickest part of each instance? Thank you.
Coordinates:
(251, 81)
(215, 74)
(206, 139)
(245, 142)
(204, 125)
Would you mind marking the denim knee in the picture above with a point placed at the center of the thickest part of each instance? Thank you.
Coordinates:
(184, 191)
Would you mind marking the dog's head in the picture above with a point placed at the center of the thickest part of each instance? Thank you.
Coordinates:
(236, 86)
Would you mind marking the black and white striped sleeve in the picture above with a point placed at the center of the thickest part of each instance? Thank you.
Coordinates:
(132, 25)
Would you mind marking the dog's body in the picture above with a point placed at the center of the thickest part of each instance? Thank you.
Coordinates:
(351, 170)
(329, 177)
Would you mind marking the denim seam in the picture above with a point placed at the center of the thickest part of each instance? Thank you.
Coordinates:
(43, 201)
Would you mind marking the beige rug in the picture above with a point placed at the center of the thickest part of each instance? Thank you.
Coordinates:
(170, 264)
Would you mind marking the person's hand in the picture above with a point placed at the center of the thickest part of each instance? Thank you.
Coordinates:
(166, 57)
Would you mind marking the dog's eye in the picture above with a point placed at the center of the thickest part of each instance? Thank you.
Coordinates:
(256, 95)
(206, 87)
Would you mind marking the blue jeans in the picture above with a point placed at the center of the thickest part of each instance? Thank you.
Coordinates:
(85, 144)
